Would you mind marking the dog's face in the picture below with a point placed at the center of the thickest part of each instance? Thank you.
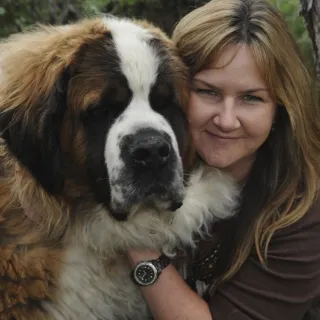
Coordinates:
(102, 106)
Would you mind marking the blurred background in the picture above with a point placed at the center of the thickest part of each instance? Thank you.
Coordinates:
(16, 15)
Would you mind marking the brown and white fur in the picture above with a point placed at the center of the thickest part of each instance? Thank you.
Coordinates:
(95, 158)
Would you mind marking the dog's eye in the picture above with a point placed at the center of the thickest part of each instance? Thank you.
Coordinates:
(97, 110)
(93, 111)
(161, 97)
(115, 97)
(163, 90)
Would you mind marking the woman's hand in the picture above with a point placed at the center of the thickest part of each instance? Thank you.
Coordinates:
(170, 298)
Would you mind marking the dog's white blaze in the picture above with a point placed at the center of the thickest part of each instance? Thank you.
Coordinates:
(139, 63)
(137, 60)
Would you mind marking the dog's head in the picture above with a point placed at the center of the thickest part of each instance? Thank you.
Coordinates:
(100, 103)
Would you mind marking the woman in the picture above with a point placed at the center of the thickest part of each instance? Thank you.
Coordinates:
(252, 113)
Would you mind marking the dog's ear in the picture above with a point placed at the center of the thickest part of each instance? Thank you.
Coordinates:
(33, 135)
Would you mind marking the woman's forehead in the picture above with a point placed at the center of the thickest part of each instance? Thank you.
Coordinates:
(235, 65)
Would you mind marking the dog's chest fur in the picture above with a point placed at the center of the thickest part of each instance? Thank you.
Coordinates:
(94, 288)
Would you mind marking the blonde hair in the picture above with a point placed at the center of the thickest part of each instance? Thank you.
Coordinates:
(290, 173)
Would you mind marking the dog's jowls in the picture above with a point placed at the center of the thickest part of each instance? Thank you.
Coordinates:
(95, 158)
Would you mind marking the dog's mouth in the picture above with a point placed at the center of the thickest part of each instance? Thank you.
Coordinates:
(156, 196)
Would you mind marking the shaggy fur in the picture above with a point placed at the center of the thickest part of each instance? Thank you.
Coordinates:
(63, 236)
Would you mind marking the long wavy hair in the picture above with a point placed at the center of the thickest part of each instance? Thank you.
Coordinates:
(284, 180)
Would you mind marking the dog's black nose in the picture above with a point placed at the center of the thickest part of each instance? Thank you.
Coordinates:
(150, 148)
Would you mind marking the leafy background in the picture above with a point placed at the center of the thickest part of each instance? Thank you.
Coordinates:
(16, 15)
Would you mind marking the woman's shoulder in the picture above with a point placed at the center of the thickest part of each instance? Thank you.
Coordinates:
(294, 250)
(308, 223)
(286, 286)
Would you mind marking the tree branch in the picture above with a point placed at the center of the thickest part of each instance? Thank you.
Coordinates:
(310, 10)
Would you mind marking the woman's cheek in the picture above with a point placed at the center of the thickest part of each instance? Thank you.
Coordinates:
(198, 113)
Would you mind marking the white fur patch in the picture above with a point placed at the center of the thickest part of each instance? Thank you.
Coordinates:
(138, 61)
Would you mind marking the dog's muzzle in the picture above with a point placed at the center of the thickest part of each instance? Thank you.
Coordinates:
(152, 172)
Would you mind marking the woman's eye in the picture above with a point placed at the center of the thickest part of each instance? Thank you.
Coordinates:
(252, 98)
(208, 92)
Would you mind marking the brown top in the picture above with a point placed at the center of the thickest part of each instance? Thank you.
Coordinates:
(284, 291)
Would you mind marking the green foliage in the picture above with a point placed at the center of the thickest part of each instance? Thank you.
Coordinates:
(290, 11)
(19, 14)
(16, 15)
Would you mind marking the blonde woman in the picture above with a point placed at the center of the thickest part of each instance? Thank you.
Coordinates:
(252, 113)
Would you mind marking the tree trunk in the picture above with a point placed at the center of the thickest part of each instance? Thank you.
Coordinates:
(310, 10)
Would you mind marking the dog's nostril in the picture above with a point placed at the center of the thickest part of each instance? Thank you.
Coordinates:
(140, 154)
(176, 205)
(148, 149)
(164, 151)
(154, 152)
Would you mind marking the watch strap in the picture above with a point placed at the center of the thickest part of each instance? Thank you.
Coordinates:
(162, 262)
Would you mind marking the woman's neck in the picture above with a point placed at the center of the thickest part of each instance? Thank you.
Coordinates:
(241, 169)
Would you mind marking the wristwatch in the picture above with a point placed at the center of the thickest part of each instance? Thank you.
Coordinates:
(147, 272)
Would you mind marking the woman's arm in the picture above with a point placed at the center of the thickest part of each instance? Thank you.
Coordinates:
(170, 298)
(284, 290)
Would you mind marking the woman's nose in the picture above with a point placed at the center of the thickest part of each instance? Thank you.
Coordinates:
(226, 118)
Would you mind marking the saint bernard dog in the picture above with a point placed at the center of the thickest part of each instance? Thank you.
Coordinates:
(95, 158)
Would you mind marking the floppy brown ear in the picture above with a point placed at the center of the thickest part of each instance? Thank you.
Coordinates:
(34, 75)
(33, 135)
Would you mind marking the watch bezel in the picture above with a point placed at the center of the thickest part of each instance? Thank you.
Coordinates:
(152, 266)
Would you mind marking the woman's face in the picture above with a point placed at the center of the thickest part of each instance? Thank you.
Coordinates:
(231, 111)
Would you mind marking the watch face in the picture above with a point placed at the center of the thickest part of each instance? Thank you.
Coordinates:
(145, 273)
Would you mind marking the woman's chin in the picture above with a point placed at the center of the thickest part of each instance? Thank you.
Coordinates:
(216, 162)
